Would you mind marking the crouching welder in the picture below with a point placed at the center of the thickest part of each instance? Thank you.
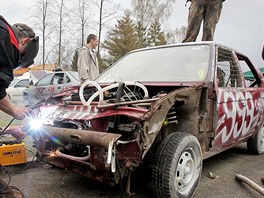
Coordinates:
(18, 48)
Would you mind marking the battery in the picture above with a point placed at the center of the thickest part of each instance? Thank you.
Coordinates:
(11, 154)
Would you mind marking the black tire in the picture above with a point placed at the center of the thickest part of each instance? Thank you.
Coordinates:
(255, 145)
(177, 167)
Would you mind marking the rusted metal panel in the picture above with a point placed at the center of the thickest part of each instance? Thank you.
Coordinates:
(85, 137)
(156, 116)
(80, 112)
(85, 169)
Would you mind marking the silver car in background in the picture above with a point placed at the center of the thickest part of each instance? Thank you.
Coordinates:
(49, 85)
(16, 88)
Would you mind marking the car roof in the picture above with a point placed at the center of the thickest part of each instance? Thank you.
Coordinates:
(22, 77)
(210, 43)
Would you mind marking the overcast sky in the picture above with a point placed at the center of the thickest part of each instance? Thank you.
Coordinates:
(241, 24)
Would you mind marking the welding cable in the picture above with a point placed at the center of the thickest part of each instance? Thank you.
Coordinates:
(23, 169)
(9, 175)
(13, 187)
(7, 126)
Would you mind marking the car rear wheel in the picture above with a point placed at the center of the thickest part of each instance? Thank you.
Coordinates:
(255, 145)
(177, 167)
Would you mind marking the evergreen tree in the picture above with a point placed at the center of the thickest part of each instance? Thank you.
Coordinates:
(75, 61)
(155, 35)
(101, 62)
(141, 35)
(122, 39)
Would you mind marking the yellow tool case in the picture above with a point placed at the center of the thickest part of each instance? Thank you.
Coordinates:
(11, 154)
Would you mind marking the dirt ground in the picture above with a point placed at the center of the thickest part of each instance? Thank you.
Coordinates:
(42, 180)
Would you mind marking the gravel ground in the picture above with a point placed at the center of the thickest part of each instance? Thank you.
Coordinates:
(41, 180)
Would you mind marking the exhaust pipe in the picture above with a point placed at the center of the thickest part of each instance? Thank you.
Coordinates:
(84, 137)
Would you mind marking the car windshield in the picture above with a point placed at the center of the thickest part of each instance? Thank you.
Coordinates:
(173, 63)
(13, 82)
(75, 75)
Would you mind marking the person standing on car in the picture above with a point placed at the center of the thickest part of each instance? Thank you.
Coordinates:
(207, 11)
(88, 68)
(18, 48)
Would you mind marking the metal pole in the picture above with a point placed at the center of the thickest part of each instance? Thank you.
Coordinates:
(249, 182)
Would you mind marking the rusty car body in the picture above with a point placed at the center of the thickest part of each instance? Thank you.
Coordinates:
(176, 104)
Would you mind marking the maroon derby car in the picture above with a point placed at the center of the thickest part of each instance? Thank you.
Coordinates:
(176, 104)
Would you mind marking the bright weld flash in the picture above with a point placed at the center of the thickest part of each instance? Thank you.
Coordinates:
(35, 124)
(52, 154)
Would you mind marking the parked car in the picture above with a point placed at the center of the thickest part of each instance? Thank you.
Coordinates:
(171, 106)
(50, 84)
(16, 88)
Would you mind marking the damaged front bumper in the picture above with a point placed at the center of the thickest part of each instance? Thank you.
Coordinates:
(94, 154)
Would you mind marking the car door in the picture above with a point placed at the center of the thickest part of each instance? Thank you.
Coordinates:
(40, 91)
(17, 91)
(57, 84)
(254, 95)
(231, 99)
(70, 80)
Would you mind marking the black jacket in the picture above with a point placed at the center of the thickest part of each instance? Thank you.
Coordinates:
(9, 55)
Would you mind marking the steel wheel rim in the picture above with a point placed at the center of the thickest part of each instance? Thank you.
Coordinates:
(261, 140)
(186, 171)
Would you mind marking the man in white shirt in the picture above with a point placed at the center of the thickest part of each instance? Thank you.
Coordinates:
(88, 68)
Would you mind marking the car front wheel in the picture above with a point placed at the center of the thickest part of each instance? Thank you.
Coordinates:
(177, 167)
(256, 144)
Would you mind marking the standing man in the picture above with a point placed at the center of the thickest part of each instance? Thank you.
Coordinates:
(18, 48)
(88, 68)
(207, 11)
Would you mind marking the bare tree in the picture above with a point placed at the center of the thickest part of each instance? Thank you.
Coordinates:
(83, 15)
(180, 33)
(100, 24)
(41, 11)
(107, 11)
(62, 12)
(176, 36)
(147, 10)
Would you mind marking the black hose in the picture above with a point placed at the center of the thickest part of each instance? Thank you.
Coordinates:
(120, 92)
(7, 126)
(9, 175)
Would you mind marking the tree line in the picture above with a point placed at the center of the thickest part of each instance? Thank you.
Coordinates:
(63, 26)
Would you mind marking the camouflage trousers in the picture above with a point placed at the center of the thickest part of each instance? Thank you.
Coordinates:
(207, 11)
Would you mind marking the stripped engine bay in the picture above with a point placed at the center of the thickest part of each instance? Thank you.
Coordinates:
(105, 134)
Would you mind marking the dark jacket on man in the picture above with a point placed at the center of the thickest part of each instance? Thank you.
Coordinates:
(9, 55)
